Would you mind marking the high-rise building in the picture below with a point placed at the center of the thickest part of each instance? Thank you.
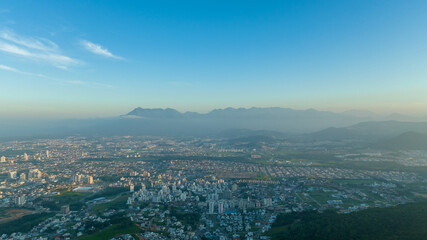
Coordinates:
(3, 159)
(22, 176)
(211, 207)
(12, 174)
(77, 178)
(220, 207)
(267, 202)
(242, 204)
(65, 209)
(131, 188)
(89, 179)
(47, 154)
(20, 200)
(34, 174)
(213, 196)
(25, 157)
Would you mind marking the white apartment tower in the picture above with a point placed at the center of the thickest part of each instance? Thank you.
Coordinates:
(89, 179)
(77, 178)
(211, 207)
(34, 173)
(20, 200)
(12, 174)
(220, 207)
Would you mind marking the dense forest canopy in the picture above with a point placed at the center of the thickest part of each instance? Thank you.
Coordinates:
(401, 222)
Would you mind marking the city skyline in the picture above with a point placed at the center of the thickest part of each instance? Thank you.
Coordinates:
(97, 59)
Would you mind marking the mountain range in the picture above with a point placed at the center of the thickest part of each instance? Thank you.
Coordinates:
(271, 119)
(228, 122)
(371, 130)
(407, 141)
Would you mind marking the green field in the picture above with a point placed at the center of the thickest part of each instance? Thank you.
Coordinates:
(112, 231)
(24, 224)
(74, 199)
(115, 204)
(67, 197)
(321, 197)
(109, 192)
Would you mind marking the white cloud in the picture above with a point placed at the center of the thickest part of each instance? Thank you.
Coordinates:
(7, 68)
(38, 49)
(98, 49)
(74, 82)
(34, 43)
(9, 48)
(12, 69)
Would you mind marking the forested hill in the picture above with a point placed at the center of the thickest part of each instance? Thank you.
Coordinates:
(401, 222)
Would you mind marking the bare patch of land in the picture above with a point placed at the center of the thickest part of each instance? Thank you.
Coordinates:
(13, 214)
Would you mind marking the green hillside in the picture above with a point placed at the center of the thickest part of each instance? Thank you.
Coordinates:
(401, 222)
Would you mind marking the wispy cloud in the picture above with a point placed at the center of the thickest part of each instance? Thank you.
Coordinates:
(74, 82)
(98, 49)
(7, 68)
(35, 43)
(4, 67)
(12, 69)
(38, 49)
(10, 48)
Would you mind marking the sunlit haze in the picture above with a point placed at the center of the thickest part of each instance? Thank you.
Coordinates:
(61, 59)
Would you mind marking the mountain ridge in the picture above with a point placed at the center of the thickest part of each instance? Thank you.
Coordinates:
(407, 141)
(272, 121)
(373, 130)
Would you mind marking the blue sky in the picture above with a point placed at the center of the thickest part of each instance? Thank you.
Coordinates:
(103, 58)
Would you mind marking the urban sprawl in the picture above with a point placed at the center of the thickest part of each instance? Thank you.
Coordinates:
(189, 188)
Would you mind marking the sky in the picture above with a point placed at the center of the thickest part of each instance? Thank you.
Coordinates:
(61, 59)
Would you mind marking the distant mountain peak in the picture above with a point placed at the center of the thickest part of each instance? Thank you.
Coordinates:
(155, 112)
